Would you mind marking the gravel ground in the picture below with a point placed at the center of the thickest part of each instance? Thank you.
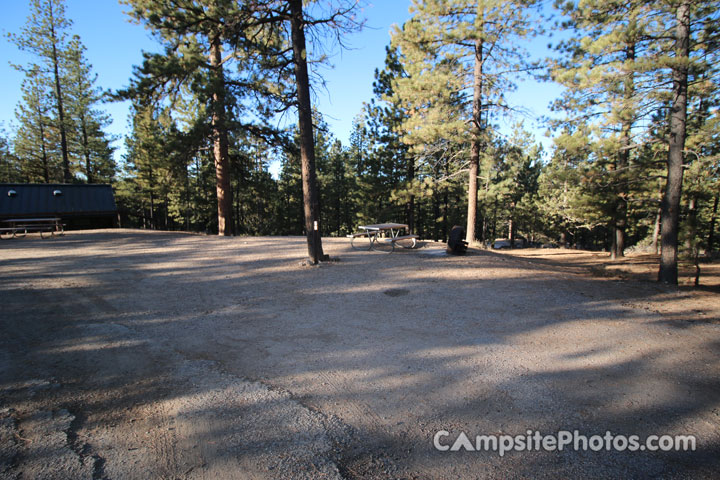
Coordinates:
(132, 354)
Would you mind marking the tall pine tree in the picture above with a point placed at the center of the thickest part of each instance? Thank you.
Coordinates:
(459, 56)
(45, 36)
(91, 145)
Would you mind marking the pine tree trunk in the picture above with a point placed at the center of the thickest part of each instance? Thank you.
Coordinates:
(411, 201)
(476, 143)
(436, 214)
(620, 232)
(67, 176)
(220, 141)
(446, 205)
(311, 196)
(623, 162)
(187, 209)
(511, 232)
(668, 272)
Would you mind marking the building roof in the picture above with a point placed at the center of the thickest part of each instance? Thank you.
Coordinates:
(63, 200)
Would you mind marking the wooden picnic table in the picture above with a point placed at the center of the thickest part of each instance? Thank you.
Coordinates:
(22, 226)
(382, 237)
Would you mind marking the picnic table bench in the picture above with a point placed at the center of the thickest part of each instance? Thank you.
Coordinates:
(382, 237)
(21, 226)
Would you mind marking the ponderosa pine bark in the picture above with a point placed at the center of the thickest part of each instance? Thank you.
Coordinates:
(476, 142)
(411, 201)
(311, 206)
(623, 162)
(670, 206)
(220, 141)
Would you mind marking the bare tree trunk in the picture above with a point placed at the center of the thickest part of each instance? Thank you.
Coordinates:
(476, 143)
(311, 196)
(668, 272)
(220, 141)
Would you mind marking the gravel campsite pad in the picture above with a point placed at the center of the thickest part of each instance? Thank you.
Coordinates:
(132, 354)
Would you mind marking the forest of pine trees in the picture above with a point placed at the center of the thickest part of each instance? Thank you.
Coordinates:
(634, 160)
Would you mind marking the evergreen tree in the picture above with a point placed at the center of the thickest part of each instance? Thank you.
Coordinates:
(9, 167)
(311, 196)
(389, 172)
(292, 23)
(515, 184)
(459, 55)
(88, 139)
(607, 85)
(148, 165)
(45, 36)
(567, 191)
(693, 53)
(623, 68)
(196, 37)
(256, 201)
(35, 141)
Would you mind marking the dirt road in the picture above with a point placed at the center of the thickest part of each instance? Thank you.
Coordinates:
(127, 354)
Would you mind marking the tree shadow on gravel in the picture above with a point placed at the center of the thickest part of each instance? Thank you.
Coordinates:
(145, 335)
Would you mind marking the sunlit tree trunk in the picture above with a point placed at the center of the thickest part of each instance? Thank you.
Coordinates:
(220, 141)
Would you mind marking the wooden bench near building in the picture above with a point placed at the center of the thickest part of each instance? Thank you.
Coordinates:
(19, 227)
(52, 208)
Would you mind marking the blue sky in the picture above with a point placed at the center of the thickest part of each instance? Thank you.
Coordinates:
(114, 45)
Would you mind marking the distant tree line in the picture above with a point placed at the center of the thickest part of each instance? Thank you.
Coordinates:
(634, 160)
(60, 134)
